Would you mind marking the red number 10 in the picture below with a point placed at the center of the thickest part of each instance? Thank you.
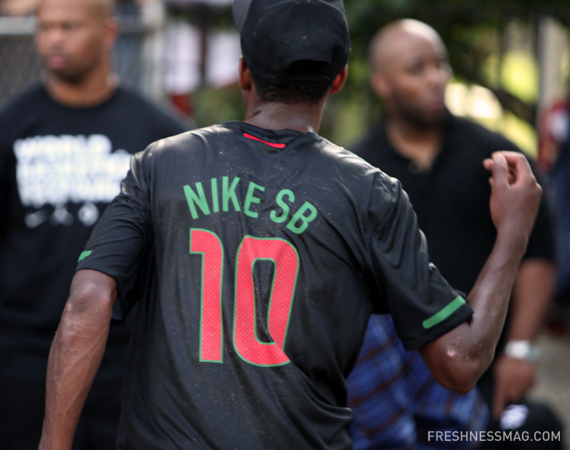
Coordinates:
(246, 343)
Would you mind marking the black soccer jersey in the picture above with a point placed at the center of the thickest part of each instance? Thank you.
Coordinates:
(260, 255)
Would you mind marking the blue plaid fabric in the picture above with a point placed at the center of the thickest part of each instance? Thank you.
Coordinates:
(396, 401)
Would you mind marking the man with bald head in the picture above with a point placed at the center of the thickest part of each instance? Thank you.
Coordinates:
(65, 145)
(437, 157)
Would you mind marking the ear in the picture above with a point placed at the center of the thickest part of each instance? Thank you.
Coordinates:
(245, 81)
(339, 81)
(380, 85)
(111, 31)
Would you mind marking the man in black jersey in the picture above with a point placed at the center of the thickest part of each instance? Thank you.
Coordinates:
(65, 146)
(257, 251)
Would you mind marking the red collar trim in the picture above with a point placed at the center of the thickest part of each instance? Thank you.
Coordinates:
(249, 136)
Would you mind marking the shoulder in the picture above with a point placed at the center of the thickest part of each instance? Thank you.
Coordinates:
(131, 98)
(189, 141)
(371, 142)
(23, 102)
(20, 111)
(472, 133)
(159, 115)
(365, 182)
(346, 160)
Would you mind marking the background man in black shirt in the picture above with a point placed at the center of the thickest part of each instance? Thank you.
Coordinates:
(437, 157)
(265, 248)
(65, 145)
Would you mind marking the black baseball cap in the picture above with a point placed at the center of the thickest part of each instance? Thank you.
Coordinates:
(277, 33)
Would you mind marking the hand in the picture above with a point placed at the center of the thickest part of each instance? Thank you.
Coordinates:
(515, 194)
(513, 378)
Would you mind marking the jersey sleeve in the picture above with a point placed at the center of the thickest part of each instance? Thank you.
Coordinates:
(120, 244)
(422, 303)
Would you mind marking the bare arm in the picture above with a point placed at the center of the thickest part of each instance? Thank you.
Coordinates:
(76, 354)
(458, 358)
(532, 292)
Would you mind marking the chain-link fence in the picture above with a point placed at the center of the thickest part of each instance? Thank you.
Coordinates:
(20, 65)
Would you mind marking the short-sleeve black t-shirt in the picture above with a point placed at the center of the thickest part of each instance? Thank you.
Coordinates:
(452, 199)
(59, 168)
(261, 255)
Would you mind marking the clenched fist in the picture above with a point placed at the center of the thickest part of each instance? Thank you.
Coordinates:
(515, 194)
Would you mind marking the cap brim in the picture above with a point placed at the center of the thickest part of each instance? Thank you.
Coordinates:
(239, 10)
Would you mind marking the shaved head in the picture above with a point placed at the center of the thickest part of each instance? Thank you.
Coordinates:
(410, 71)
(102, 8)
(397, 37)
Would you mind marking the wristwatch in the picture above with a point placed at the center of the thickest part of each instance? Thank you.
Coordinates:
(522, 350)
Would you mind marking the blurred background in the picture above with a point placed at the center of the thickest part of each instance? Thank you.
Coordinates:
(511, 59)
(511, 62)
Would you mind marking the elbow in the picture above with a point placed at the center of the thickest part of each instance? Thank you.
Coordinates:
(89, 306)
(457, 361)
(91, 293)
(460, 385)
(460, 373)
(86, 316)
(88, 298)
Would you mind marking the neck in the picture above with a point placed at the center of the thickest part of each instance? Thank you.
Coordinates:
(418, 143)
(278, 116)
(93, 89)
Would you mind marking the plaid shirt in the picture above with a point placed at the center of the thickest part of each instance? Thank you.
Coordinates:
(396, 401)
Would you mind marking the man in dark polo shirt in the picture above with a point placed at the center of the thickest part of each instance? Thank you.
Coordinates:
(437, 157)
